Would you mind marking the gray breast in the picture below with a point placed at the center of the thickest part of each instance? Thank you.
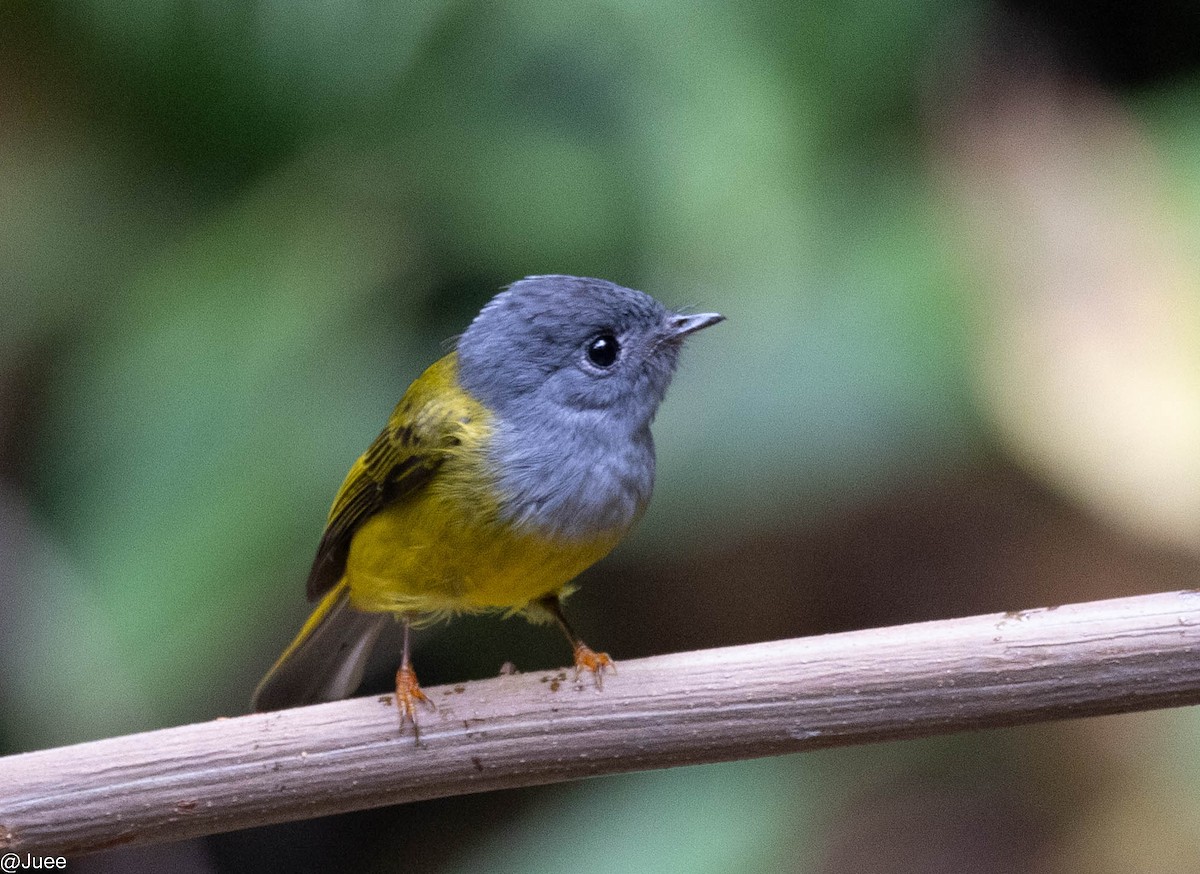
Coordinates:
(575, 477)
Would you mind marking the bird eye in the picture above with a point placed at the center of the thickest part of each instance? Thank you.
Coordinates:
(603, 350)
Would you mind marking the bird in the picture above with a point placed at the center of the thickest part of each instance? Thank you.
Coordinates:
(511, 465)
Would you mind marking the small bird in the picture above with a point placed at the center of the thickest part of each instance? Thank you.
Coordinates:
(509, 467)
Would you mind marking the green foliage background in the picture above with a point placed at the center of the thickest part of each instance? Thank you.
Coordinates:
(230, 234)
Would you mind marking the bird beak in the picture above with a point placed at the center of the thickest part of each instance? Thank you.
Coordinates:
(679, 326)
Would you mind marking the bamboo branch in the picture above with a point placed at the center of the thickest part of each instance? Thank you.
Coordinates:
(543, 727)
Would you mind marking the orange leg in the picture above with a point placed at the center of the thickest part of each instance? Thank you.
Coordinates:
(408, 690)
(586, 658)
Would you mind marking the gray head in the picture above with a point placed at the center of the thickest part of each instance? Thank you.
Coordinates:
(577, 345)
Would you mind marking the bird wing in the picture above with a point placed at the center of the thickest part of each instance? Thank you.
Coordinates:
(402, 459)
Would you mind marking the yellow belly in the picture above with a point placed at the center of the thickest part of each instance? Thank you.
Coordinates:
(440, 554)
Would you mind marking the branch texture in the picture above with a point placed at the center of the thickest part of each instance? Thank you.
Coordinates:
(521, 730)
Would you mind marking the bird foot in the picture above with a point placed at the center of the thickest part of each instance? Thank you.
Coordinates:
(408, 693)
(588, 659)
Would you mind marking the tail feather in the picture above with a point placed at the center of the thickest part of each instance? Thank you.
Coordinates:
(326, 660)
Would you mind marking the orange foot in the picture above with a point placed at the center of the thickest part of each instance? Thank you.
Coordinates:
(408, 693)
(597, 662)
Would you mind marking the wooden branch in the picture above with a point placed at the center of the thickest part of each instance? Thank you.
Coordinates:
(522, 730)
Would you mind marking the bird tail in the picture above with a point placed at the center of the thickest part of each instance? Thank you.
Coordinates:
(326, 660)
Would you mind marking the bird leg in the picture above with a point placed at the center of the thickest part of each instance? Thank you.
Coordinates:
(586, 658)
(408, 690)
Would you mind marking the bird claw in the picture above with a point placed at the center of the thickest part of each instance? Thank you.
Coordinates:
(408, 693)
(587, 658)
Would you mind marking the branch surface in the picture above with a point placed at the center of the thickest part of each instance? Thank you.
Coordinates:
(526, 729)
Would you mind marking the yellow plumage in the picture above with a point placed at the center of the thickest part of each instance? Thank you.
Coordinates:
(415, 531)
(443, 550)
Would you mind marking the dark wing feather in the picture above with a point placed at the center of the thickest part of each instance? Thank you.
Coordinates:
(403, 458)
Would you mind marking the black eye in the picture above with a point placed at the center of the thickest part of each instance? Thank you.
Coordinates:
(603, 350)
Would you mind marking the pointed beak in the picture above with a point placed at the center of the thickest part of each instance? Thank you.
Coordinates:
(680, 326)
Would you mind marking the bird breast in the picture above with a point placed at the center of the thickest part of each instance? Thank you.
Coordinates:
(574, 477)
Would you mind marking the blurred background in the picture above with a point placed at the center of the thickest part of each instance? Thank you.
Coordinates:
(958, 244)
